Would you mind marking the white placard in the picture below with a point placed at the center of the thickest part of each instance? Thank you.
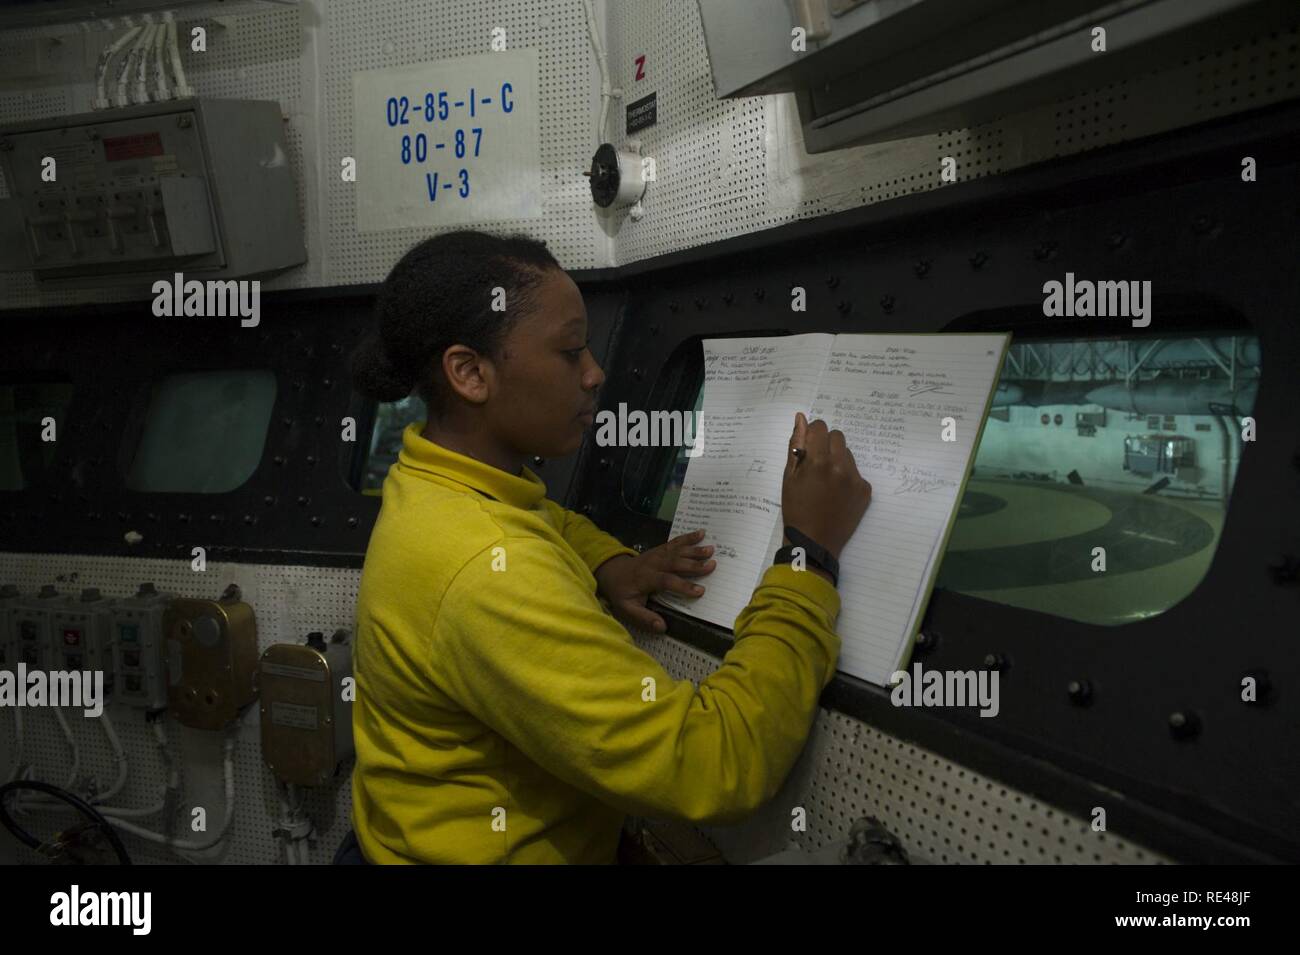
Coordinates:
(454, 141)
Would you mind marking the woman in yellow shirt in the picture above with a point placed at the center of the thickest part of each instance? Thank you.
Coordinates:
(502, 713)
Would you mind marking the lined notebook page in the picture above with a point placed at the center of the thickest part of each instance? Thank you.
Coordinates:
(889, 394)
(752, 389)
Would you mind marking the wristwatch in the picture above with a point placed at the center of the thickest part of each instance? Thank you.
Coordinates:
(814, 554)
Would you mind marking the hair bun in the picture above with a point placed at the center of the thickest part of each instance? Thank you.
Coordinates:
(375, 376)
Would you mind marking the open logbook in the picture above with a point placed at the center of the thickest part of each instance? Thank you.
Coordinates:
(911, 408)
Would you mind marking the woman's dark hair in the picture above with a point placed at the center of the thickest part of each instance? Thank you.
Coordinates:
(439, 294)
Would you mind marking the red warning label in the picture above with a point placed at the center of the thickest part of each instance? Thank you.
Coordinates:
(133, 147)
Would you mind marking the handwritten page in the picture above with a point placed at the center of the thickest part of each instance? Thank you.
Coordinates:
(892, 396)
(898, 399)
(752, 389)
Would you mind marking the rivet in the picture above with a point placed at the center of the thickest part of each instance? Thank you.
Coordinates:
(1184, 724)
(926, 641)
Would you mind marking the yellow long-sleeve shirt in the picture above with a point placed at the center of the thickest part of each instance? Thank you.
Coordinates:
(501, 713)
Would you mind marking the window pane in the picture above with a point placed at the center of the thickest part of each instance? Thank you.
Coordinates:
(24, 454)
(667, 505)
(204, 431)
(391, 419)
(1101, 483)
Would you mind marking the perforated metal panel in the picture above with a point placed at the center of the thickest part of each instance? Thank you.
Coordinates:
(368, 35)
(942, 812)
(730, 167)
(725, 167)
(289, 603)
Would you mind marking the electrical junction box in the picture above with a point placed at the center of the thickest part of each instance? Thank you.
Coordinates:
(81, 635)
(196, 185)
(9, 596)
(137, 632)
(30, 629)
(211, 652)
(306, 725)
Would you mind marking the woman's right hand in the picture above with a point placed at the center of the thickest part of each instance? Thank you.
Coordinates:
(823, 495)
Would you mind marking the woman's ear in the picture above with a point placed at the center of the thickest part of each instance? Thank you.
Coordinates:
(468, 373)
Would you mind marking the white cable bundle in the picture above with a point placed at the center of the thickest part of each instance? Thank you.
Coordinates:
(606, 93)
(173, 782)
(141, 90)
(127, 65)
(105, 57)
(195, 845)
(160, 63)
(294, 824)
(182, 90)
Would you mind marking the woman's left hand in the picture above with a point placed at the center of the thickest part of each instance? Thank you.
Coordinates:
(626, 581)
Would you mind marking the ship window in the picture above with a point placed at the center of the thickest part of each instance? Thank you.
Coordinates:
(31, 417)
(391, 419)
(203, 432)
(1102, 480)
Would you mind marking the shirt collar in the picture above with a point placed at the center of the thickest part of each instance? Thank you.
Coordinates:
(420, 454)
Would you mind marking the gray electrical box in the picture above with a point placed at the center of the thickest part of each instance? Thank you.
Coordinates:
(81, 636)
(29, 628)
(196, 185)
(137, 635)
